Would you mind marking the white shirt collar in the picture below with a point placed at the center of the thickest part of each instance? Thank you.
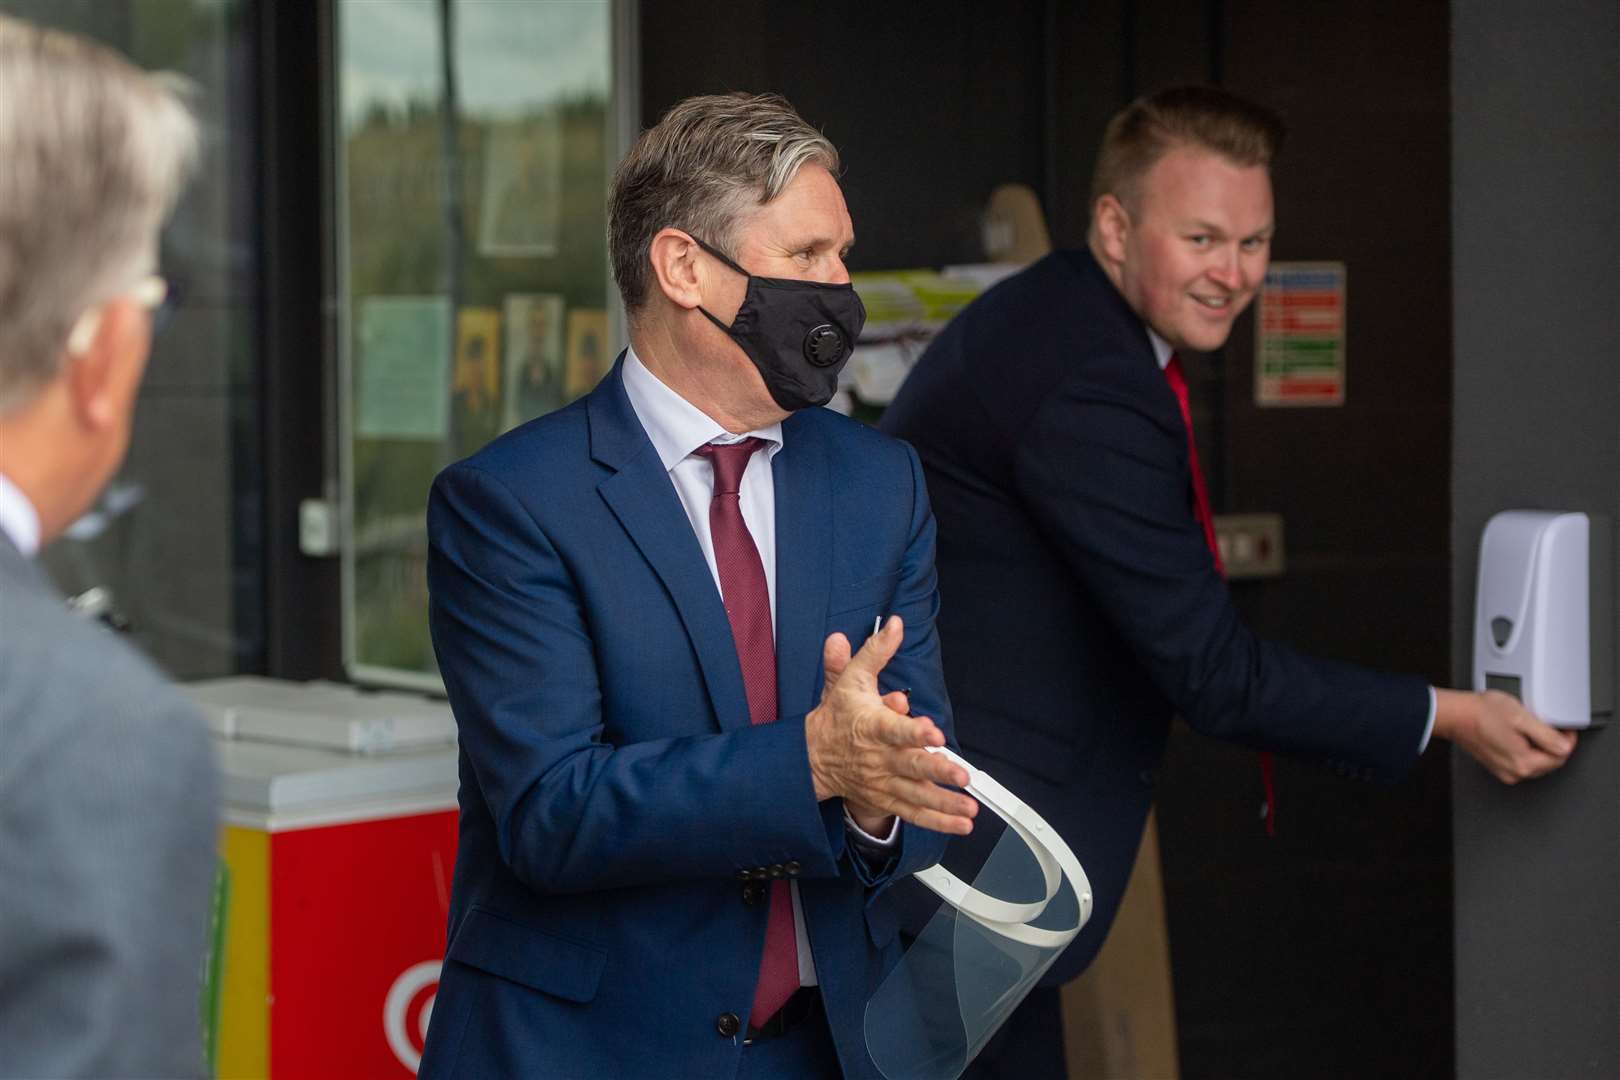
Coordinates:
(1162, 352)
(18, 518)
(676, 426)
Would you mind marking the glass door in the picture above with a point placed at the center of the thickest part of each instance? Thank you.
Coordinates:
(474, 142)
(172, 548)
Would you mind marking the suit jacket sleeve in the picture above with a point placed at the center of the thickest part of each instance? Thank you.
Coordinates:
(1108, 484)
(105, 919)
(917, 667)
(572, 811)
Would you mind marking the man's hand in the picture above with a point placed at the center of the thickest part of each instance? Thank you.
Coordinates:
(1501, 734)
(864, 748)
(873, 822)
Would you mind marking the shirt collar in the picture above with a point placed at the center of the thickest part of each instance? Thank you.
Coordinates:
(676, 426)
(18, 518)
(1162, 352)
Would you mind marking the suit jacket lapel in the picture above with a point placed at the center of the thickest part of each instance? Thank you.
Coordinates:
(803, 563)
(641, 496)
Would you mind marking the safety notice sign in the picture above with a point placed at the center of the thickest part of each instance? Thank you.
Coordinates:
(1299, 335)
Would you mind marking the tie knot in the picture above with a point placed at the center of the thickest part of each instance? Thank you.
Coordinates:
(729, 461)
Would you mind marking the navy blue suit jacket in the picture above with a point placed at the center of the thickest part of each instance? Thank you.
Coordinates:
(612, 787)
(1082, 607)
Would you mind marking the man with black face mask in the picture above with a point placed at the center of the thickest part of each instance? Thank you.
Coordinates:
(798, 333)
(683, 798)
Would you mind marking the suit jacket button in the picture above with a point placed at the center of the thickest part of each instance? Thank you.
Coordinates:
(792, 867)
(744, 875)
(753, 893)
(727, 1024)
(759, 873)
(777, 870)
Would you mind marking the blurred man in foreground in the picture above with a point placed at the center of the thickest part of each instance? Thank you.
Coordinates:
(108, 791)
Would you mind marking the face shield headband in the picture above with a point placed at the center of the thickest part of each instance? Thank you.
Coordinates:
(983, 950)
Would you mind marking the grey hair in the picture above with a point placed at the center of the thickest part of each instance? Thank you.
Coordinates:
(699, 169)
(93, 154)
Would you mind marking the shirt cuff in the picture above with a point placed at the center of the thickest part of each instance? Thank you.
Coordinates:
(1428, 729)
(869, 843)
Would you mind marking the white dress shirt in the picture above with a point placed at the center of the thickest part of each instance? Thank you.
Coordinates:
(1162, 353)
(678, 429)
(18, 518)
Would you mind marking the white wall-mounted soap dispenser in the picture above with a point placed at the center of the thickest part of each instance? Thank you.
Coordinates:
(1538, 634)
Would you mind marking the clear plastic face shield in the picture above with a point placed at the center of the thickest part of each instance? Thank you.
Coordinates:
(984, 949)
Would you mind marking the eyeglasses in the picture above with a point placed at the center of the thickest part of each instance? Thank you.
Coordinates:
(154, 294)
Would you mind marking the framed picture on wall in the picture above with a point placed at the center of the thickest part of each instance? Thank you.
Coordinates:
(534, 356)
(522, 186)
(587, 350)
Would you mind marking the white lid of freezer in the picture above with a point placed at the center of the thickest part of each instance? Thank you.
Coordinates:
(322, 714)
(277, 778)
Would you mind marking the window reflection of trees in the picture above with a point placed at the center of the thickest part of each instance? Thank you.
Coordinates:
(503, 211)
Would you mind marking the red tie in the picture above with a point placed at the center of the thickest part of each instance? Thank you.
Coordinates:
(748, 607)
(1178, 384)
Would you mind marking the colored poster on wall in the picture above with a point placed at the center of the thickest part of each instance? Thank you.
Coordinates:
(534, 356)
(402, 370)
(1299, 335)
(588, 357)
(522, 191)
(478, 360)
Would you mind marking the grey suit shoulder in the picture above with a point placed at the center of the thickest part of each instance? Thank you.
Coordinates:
(109, 811)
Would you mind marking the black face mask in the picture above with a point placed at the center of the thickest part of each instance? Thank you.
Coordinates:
(799, 334)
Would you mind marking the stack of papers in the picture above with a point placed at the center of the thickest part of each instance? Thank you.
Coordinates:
(907, 302)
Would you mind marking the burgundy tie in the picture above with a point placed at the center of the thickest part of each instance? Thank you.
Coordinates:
(1178, 383)
(748, 607)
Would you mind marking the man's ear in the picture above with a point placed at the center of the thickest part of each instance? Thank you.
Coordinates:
(104, 362)
(1113, 226)
(674, 262)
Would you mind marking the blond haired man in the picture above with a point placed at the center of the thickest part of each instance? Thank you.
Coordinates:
(1076, 547)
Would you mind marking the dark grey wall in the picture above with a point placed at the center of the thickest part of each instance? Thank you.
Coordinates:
(1536, 277)
(1289, 951)
(930, 106)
